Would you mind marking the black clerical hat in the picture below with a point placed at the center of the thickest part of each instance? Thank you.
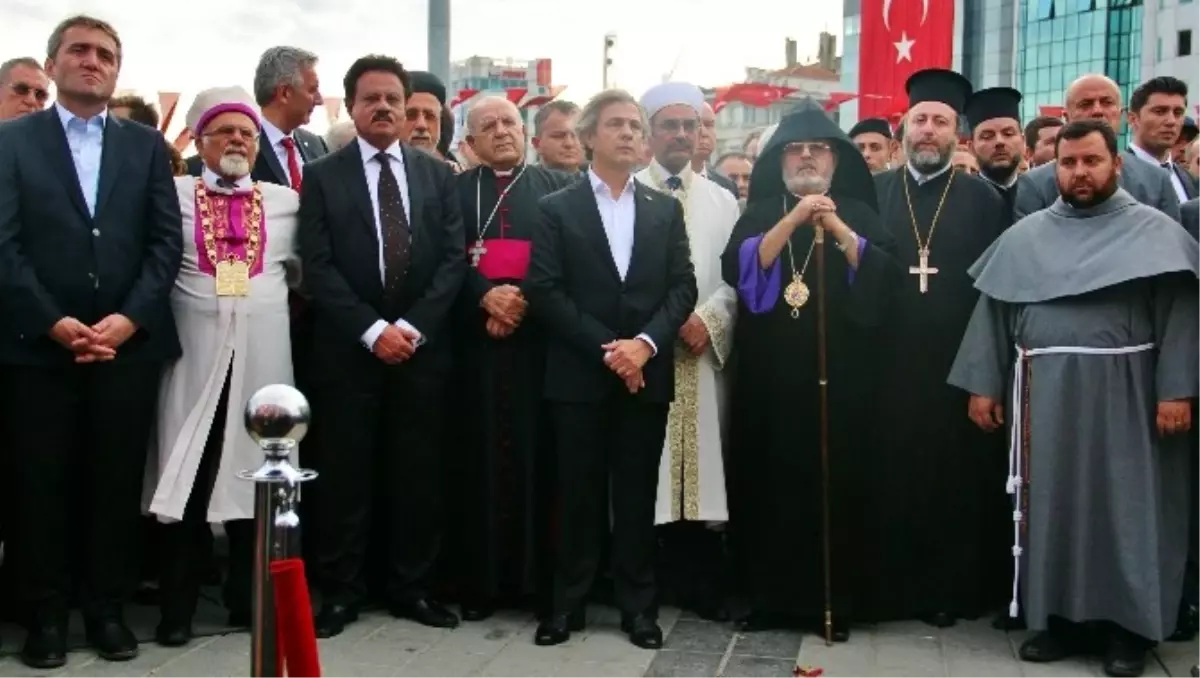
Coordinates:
(876, 125)
(424, 82)
(938, 84)
(994, 102)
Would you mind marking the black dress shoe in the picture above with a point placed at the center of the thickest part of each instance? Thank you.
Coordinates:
(1125, 658)
(1186, 625)
(332, 619)
(1046, 646)
(555, 630)
(112, 639)
(45, 647)
(477, 611)
(939, 620)
(1196, 672)
(425, 611)
(643, 631)
(577, 621)
(173, 633)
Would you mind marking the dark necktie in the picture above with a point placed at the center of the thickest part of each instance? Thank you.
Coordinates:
(394, 224)
(222, 182)
(674, 183)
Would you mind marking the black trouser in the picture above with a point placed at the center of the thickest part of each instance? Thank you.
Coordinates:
(385, 428)
(624, 438)
(187, 544)
(89, 422)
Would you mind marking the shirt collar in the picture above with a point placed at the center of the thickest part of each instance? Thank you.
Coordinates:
(1144, 155)
(67, 116)
(1011, 182)
(598, 185)
(274, 134)
(210, 180)
(369, 152)
(922, 178)
(661, 174)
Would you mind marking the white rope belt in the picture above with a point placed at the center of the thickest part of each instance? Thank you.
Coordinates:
(1016, 472)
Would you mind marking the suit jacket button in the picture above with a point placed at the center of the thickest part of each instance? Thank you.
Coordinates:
(96, 232)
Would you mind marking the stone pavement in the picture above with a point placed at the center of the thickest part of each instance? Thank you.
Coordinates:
(503, 646)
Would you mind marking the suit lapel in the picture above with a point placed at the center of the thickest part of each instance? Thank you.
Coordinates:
(593, 225)
(59, 153)
(266, 154)
(112, 161)
(354, 175)
(307, 146)
(643, 226)
(416, 204)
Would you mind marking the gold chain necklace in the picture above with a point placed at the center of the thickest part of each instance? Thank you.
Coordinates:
(233, 274)
(796, 293)
(923, 270)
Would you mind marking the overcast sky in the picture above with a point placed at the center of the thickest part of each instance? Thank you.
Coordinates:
(173, 45)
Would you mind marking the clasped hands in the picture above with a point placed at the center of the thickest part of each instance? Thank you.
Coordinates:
(626, 358)
(813, 209)
(98, 343)
(505, 306)
(395, 344)
(1173, 416)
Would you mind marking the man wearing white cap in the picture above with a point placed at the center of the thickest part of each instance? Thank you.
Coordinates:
(231, 305)
(691, 482)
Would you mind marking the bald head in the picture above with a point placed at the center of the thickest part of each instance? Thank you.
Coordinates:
(496, 133)
(1096, 97)
(488, 108)
(706, 137)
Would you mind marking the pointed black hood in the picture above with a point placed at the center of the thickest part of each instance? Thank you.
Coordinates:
(809, 122)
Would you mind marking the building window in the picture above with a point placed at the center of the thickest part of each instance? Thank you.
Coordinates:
(1185, 43)
(1158, 47)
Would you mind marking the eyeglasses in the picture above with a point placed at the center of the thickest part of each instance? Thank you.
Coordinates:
(814, 148)
(230, 131)
(23, 90)
(673, 125)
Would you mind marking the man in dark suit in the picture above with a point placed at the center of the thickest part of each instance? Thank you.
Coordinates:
(90, 244)
(1097, 96)
(1157, 110)
(383, 253)
(612, 282)
(706, 143)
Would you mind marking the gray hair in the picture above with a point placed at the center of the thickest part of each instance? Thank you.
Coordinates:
(589, 117)
(340, 134)
(567, 108)
(9, 66)
(280, 66)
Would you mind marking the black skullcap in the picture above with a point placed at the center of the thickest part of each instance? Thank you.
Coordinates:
(994, 102)
(938, 84)
(427, 83)
(875, 125)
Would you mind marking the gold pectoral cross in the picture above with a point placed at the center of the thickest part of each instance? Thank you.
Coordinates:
(923, 270)
(477, 252)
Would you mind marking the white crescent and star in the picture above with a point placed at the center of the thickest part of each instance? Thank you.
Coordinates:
(905, 45)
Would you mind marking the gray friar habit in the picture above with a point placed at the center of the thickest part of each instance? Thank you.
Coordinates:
(1087, 320)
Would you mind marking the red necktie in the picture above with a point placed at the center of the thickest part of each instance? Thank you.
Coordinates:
(289, 144)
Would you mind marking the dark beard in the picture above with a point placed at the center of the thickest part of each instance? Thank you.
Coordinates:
(1103, 193)
(998, 173)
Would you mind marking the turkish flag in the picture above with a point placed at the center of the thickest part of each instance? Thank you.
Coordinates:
(837, 99)
(516, 94)
(1052, 111)
(462, 96)
(756, 94)
(899, 38)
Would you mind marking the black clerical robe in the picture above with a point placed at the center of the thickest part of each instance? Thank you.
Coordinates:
(939, 514)
(774, 469)
(498, 482)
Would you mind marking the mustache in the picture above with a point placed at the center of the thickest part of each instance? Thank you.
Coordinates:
(382, 115)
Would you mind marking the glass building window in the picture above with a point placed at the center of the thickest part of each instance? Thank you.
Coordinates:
(1184, 43)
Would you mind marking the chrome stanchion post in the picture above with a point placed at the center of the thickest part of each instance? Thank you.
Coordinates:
(277, 418)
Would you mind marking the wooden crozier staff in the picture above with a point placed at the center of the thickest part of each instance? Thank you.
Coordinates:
(823, 381)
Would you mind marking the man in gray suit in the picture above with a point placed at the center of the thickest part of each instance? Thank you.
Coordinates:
(1190, 211)
(1096, 96)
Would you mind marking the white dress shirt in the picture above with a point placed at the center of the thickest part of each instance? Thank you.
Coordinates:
(211, 178)
(275, 137)
(618, 216)
(85, 138)
(1169, 166)
(373, 168)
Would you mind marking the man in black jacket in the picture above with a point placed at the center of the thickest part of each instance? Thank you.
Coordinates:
(90, 244)
(612, 282)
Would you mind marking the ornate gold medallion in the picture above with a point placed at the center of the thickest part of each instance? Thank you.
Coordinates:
(233, 279)
(796, 295)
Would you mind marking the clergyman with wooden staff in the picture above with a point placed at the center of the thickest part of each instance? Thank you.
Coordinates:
(796, 532)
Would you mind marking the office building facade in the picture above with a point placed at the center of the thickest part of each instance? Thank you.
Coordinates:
(1170, 29)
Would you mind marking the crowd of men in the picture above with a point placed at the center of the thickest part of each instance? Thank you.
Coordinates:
(752, 386)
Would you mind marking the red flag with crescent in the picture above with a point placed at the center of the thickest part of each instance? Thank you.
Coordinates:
(462, 96)
(899, 38)
(756, 94)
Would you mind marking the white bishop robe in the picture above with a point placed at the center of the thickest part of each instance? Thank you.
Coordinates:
(248, 335)
(691, 477)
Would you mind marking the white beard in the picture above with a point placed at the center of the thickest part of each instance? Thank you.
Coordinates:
(233, 165)
(806, 185)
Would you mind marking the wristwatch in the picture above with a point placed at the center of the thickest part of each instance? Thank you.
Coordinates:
(842, 248)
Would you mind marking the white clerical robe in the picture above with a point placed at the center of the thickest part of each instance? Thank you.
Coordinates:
(691, 478)
(248, 335)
